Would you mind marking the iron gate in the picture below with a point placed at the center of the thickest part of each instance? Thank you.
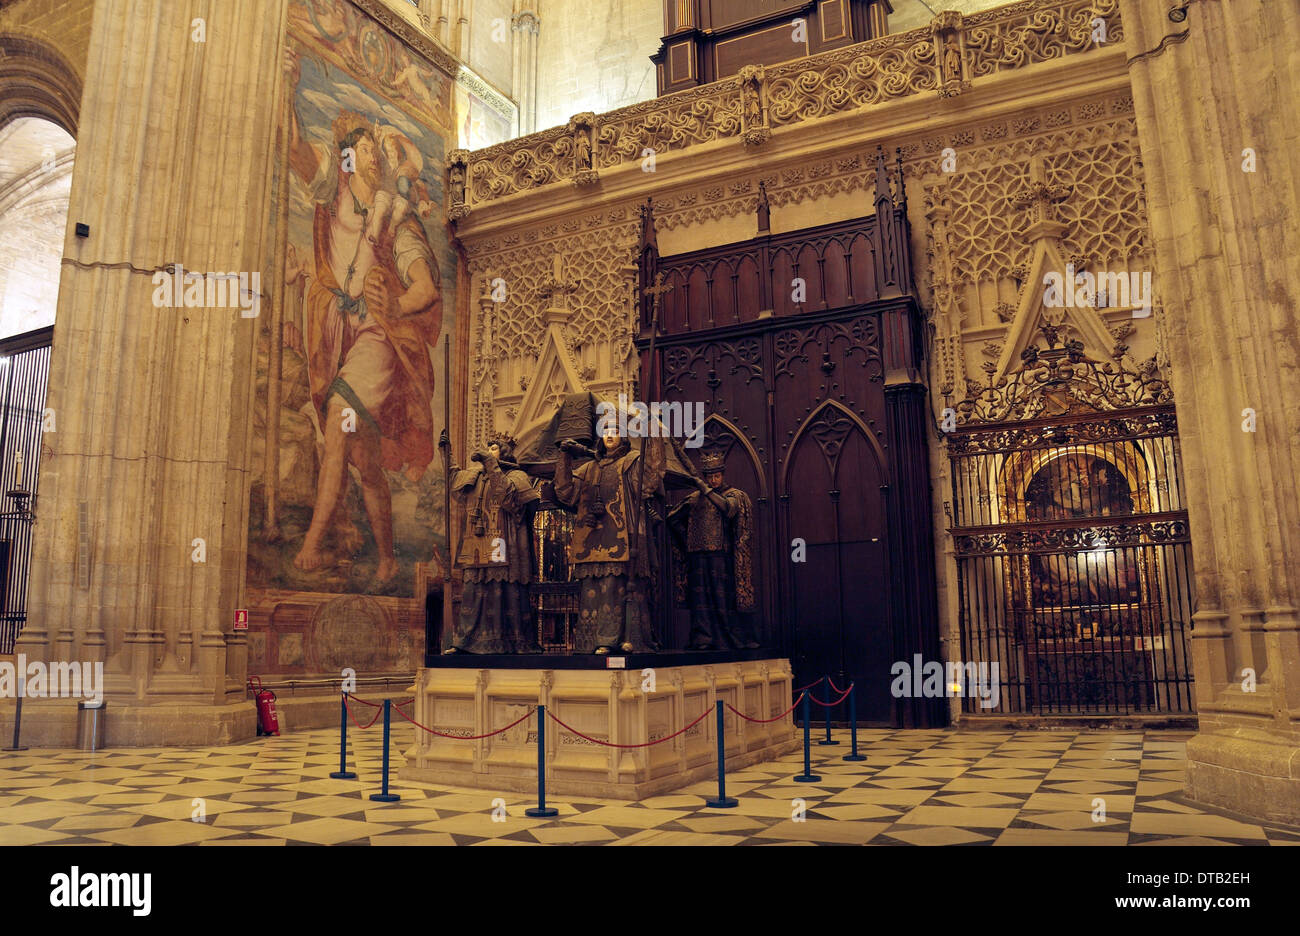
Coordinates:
(24, 376)
(1074, 564)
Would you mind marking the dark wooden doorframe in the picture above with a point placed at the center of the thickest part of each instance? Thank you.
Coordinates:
(852, 345)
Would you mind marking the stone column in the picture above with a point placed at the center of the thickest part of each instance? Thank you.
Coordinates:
(439, 24)
(152, 444)
(1210, 83)
(459, 13)
(525, 25)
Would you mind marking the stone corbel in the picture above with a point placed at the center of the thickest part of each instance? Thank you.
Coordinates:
(949, 53)
(753, 105)
(583, 146)
(457, 174)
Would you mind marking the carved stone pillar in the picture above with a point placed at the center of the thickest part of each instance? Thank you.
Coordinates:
(464, 11)
(153, 401)
(1218, 160)
(525, 26)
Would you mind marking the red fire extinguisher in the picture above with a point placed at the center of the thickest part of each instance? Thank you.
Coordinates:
(267, 722)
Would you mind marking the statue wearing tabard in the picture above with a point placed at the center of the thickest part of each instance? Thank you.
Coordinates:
(496, 552)
(719, 521)
(609, 553)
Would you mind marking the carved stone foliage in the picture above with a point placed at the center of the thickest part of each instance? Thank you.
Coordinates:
(943, 57)
(849, 78)
(671, 123)
(1026, 33)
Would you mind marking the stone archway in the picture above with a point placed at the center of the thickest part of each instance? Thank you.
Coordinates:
(38, 82)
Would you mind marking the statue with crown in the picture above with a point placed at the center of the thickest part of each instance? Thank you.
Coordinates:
(718, 522)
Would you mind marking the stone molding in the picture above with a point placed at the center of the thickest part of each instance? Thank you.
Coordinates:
(841, 81)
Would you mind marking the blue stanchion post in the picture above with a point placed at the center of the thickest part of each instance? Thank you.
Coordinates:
(18, 715)
(807, 776)
(723, 801)
(830, 687)
(343, 773)
(853, 724)
(384, 796)
(541, 810)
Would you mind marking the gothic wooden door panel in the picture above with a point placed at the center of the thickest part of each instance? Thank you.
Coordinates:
(840, 590)
(828, 405)
(787, 339)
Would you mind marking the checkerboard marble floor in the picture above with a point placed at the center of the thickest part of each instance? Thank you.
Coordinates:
(914, 788)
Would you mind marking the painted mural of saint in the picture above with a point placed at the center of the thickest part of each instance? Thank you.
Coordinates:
(373, 311)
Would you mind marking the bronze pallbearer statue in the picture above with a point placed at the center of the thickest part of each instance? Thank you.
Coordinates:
(496, 552)
(719, 521)
(610, 554)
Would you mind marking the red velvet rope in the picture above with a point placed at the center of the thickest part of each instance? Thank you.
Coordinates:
(463, 737)
(765, 721)
(644, 744)
(844, 695)
(810, 685)
(363, 701)
(835, 687)
(354, 718)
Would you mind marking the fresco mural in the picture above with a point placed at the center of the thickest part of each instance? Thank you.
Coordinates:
(348, 493)
(479, 125)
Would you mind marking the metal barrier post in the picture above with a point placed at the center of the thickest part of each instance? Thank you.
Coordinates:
(384, 796)
(18, 714)
(722, 801)
(343, 773)
(807, 776)
(830, 687)
(853, 724)
(541, 810)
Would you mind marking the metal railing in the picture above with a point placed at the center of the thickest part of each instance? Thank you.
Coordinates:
(24, 379)
(1074, 565)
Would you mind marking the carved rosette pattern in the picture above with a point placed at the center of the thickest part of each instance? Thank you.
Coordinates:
(842, 80)
(598, 298)
(1105, 211)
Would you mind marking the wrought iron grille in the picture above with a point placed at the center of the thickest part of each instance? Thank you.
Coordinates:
(554, 597)
(1074, 565)
(24, 376)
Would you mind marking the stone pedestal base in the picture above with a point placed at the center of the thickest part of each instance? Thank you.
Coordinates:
(1254, 775)
(52, 723)
(620, 706)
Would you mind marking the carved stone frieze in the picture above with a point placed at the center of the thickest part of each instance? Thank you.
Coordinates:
(944, 57)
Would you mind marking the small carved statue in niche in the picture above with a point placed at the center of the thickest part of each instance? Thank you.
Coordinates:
(456, 180)
(753, 109)
(951, 60)
(581, 149)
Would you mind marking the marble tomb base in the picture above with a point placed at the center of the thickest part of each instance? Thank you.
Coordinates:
(645, 701)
